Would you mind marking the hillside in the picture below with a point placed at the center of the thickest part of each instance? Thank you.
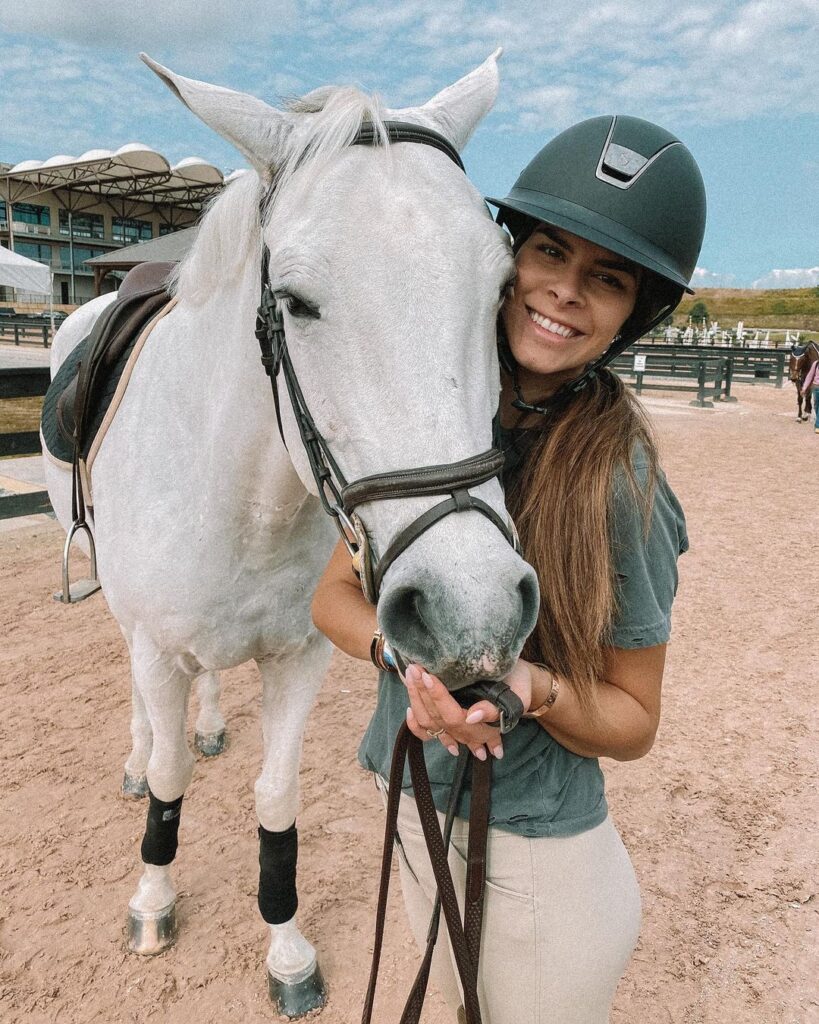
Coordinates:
(787, 307)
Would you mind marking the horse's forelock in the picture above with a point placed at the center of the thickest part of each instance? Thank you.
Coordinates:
(325, 122)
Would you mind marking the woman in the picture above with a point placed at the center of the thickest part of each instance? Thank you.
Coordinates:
(812, 383)
(606, 222)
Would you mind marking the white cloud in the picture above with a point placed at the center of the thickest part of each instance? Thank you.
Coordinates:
(565, 59)
(796, 277)
(704, 278)
(132, 26)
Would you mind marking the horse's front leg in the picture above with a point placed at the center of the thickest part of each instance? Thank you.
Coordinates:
(290, 684)
(164, 686)
(210, 725)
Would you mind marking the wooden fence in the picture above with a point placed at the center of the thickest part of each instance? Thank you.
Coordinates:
(26, 330)
(26, 382)
(707, 379)
(755, 366)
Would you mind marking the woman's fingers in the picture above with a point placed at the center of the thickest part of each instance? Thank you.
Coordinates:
(426, 734)
(434, 708)
(483, 711)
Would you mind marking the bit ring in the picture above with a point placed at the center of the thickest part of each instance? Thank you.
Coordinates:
(434, 735)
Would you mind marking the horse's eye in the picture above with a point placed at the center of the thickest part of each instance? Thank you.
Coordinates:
(299, 308)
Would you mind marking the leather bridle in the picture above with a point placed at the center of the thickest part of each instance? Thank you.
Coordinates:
(339, 497)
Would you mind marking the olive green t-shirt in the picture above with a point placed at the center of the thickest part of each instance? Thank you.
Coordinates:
(539, 788)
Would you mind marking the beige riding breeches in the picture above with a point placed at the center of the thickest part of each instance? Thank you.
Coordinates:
(561, 920)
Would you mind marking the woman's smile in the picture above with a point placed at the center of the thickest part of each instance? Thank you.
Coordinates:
(552, 327)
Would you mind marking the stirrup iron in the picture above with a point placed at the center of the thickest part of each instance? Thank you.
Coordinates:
(80, 589)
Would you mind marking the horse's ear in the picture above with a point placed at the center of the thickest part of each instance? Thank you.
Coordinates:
(456, 111)
(257, 130)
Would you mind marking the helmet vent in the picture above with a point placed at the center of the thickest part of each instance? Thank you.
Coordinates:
(620, 166)
(621, 163)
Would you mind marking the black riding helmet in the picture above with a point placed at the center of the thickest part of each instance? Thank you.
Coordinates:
(629, 186)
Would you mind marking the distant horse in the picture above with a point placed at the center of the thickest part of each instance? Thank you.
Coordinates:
(800, 360)
(210, 534)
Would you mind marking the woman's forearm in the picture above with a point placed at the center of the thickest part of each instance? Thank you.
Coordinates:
(341, 611)
(623, 728)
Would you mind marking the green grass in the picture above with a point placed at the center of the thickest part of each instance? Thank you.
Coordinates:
(794, 308)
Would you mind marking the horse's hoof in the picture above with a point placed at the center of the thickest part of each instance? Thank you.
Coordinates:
(151, 933)
(209, 744)
(299, 995)
(134, 787)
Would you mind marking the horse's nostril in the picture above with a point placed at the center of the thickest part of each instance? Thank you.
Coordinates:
(529, 602)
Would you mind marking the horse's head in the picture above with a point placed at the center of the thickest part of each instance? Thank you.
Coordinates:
(797, 363)
(390, 274)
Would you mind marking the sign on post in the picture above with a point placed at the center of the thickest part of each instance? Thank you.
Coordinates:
(639, 363)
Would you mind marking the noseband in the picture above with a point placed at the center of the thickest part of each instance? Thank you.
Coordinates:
(339, 497)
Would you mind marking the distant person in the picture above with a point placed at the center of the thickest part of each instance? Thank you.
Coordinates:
(812, 381)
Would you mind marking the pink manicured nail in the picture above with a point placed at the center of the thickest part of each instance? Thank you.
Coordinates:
(474, 717)
(409, 714)
(453, 750)
(427, 680)
(411, 675)
(498, 752)
(480, 753)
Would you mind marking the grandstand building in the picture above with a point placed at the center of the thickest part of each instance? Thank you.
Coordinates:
(65, 210)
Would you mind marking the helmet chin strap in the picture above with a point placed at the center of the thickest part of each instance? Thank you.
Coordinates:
(548, 406)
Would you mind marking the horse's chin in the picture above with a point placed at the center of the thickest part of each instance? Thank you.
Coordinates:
(456, 675)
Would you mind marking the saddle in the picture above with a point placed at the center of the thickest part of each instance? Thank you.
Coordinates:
(142, 295)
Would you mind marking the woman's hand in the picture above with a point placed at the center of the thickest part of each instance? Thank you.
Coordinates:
(433, 710)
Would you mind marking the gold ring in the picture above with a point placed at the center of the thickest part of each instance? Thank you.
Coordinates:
(434, 735)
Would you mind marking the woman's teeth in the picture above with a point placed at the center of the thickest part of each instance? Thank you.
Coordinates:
(550, 325)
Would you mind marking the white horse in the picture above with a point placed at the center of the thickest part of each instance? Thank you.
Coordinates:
(209, 534)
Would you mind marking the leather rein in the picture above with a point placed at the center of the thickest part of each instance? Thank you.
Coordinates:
(341, 499)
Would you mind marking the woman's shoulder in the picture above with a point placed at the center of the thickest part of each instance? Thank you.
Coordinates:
(647, 519)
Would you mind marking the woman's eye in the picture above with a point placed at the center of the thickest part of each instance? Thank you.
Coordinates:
(549, 250)
(611, 282)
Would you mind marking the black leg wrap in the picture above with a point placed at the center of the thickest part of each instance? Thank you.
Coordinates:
(161, 831)
(278, 853)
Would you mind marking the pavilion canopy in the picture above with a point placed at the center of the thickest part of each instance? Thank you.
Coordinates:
(133, 172)
(19, 272)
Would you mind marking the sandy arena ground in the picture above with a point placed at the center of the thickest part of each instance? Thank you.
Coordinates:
(720, 818)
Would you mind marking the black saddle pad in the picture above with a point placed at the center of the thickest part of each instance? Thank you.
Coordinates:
(106, 350)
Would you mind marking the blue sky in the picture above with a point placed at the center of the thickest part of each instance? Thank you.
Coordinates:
(737, 81)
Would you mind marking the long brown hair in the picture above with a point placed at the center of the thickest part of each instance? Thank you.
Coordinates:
(561, 501)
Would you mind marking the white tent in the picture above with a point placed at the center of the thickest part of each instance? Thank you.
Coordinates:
(20, 272)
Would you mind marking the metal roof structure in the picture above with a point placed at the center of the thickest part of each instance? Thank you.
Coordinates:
(131, 175)
(165, 249)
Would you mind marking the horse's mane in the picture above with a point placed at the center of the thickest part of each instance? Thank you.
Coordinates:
(324, 121)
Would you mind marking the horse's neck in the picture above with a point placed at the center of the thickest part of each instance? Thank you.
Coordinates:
(229, 393)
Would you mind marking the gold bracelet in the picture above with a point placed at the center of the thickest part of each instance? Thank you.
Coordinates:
(381, 654)
(554, 690)
(377, 649)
